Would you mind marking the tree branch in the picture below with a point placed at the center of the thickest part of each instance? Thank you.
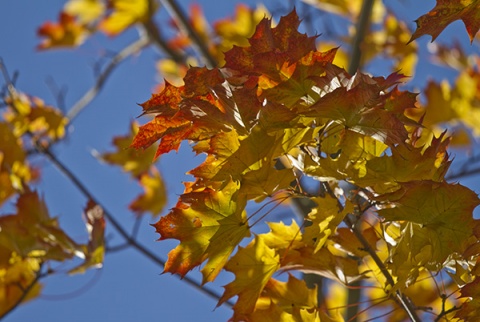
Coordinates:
(360, 31)
(86, 193)
(176, 12)
(402, 299)
(97, 87)
(133, 242)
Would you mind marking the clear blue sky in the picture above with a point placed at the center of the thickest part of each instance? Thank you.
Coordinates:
(129, 287)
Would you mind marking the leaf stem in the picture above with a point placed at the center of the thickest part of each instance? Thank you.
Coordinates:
(402, 299)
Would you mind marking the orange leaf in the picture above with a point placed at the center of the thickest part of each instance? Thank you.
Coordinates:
(66, 33)
(209, 224)
(444, 13)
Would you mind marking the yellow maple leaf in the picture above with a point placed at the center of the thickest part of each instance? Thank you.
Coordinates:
(30, 114)
(16, 275)
(210, 223)
(253, 267)
(87, 11)
(154, 198)
(136, 162)
(66, 33)
(14, 170)
(292, 296)
(437, 217)
(125, 13)
(324, 218)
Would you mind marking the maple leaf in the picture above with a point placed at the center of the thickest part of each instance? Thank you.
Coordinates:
(407, 163)
(438, 217)
(297, 251)
(209, 224)
(30, 114)
(14, 170)
(324, 219)
(66, 33)
(132, 161)
(16, 275)
(154, 198)
(470, 309)
(236, 31)
(95, 249)
(87, 11)
(253, 267)
(270, 48)
(280, 300)
(360, 105)
(444, 13)
(31, 232)
(125, 13)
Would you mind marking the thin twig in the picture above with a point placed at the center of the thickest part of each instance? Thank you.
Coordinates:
(360, 31)
(133, 242)
(86, 193)
(402, 299)
(185, 26)
(97, 87)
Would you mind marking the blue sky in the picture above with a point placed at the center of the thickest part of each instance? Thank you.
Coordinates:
(129, 287)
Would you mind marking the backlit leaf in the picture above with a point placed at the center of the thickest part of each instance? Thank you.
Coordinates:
(444, 13)
(438, 220)
(87, 11)
(17, 274)
(125, 13)
(30, 114)
(289, 297)
(209, 224)
(253, 267)
(66, 33)
(133, 161)
(154, 197)
(31, 232)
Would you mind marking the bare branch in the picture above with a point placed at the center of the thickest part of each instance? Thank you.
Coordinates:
(133, 242)
(97, 87)
(87, 194)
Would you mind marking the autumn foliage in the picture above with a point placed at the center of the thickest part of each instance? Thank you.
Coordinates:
(280, 123)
